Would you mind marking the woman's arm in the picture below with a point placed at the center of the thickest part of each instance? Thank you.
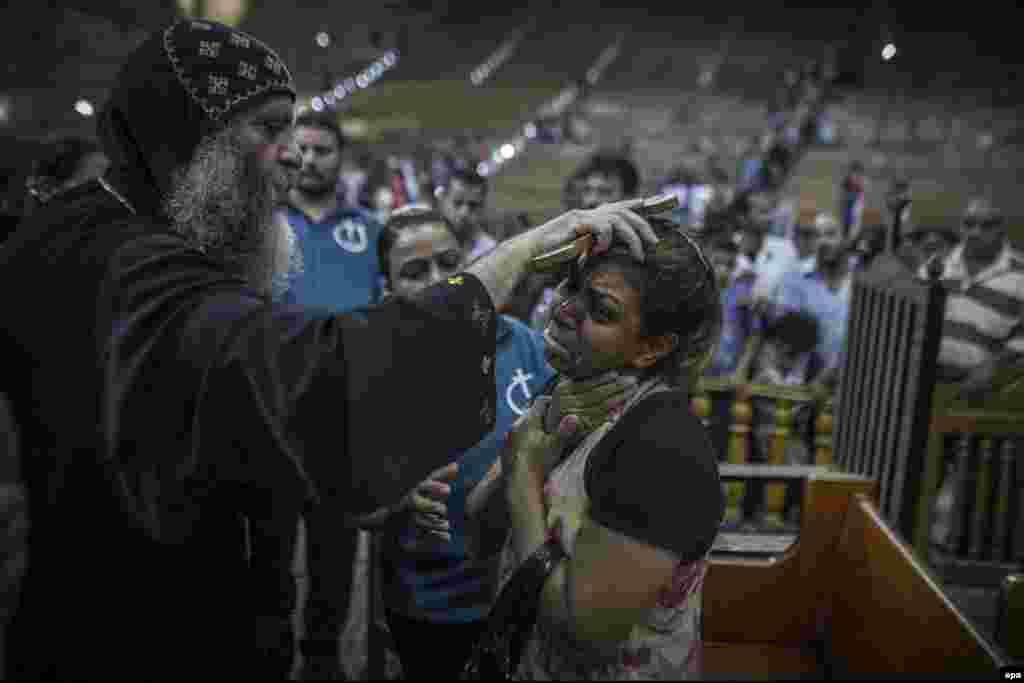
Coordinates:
(502, 268)
(608, 585)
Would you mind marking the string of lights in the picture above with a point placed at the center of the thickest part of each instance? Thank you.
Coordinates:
(328, 100)
(504, 52)
(492, 63)
(556, 106)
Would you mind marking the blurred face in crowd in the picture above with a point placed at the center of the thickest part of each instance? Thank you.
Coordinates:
(780, 356)
(320, 155)
(223, 202)
(382, 201)
(805, 239)
(422, 255)
(751, 239)
(867, 245)
(830, 240)
(724, 262)
(983, 229)
(600, 188)
(931, 243)
(464, 205)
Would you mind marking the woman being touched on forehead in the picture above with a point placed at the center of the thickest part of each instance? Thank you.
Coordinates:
(635, 500)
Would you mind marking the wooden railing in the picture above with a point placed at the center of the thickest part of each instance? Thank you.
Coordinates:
(754, 540)
(971, 515)
(732, 411)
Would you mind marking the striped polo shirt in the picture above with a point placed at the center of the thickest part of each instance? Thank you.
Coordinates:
(984, 313)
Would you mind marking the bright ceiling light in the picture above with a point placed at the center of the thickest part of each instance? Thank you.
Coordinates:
(323, 39)
(888, 52)
(84, 107)
(508, 151)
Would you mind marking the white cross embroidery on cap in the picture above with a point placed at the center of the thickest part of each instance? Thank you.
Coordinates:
(247, 70)
(218, 85)
(209, 48)
(238, 40)
(273, 64)
(486, 364)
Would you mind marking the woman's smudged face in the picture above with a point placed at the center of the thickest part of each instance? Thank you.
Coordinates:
(423, 255)
(597, 326)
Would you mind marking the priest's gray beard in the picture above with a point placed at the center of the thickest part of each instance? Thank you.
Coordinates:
(223, 204)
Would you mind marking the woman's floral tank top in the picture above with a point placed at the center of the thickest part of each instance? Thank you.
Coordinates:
(666, 645)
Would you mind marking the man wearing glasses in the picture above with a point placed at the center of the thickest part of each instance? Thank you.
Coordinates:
(983, 331)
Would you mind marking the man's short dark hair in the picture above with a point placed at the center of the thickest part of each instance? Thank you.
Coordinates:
(613, 165)
(323, 121)
(796, 328)
(721, 241)
(468, 177)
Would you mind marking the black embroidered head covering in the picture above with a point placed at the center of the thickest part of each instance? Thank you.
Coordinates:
(182, 84)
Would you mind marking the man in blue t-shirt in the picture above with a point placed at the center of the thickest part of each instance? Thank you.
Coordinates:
(337, 243)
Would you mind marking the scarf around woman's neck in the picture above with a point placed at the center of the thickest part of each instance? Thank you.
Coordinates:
(584, 447)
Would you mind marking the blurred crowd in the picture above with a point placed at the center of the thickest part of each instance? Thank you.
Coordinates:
(785, 265)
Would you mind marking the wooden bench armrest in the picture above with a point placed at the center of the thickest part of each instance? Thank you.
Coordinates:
(784, 591)
(889, 615)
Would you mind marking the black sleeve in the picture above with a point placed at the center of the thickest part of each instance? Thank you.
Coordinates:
(13, 517)
(208, 383)
(654, 477)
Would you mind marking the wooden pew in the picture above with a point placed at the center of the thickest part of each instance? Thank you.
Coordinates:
(888, 614)
(848, 598)
(760, 615)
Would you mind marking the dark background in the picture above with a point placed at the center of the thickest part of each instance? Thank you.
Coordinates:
(52, 53)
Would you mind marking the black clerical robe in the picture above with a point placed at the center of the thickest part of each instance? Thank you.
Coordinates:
(172, 420)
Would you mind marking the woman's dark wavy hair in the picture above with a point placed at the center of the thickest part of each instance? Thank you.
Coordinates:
(679, 295)
(403, 219)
